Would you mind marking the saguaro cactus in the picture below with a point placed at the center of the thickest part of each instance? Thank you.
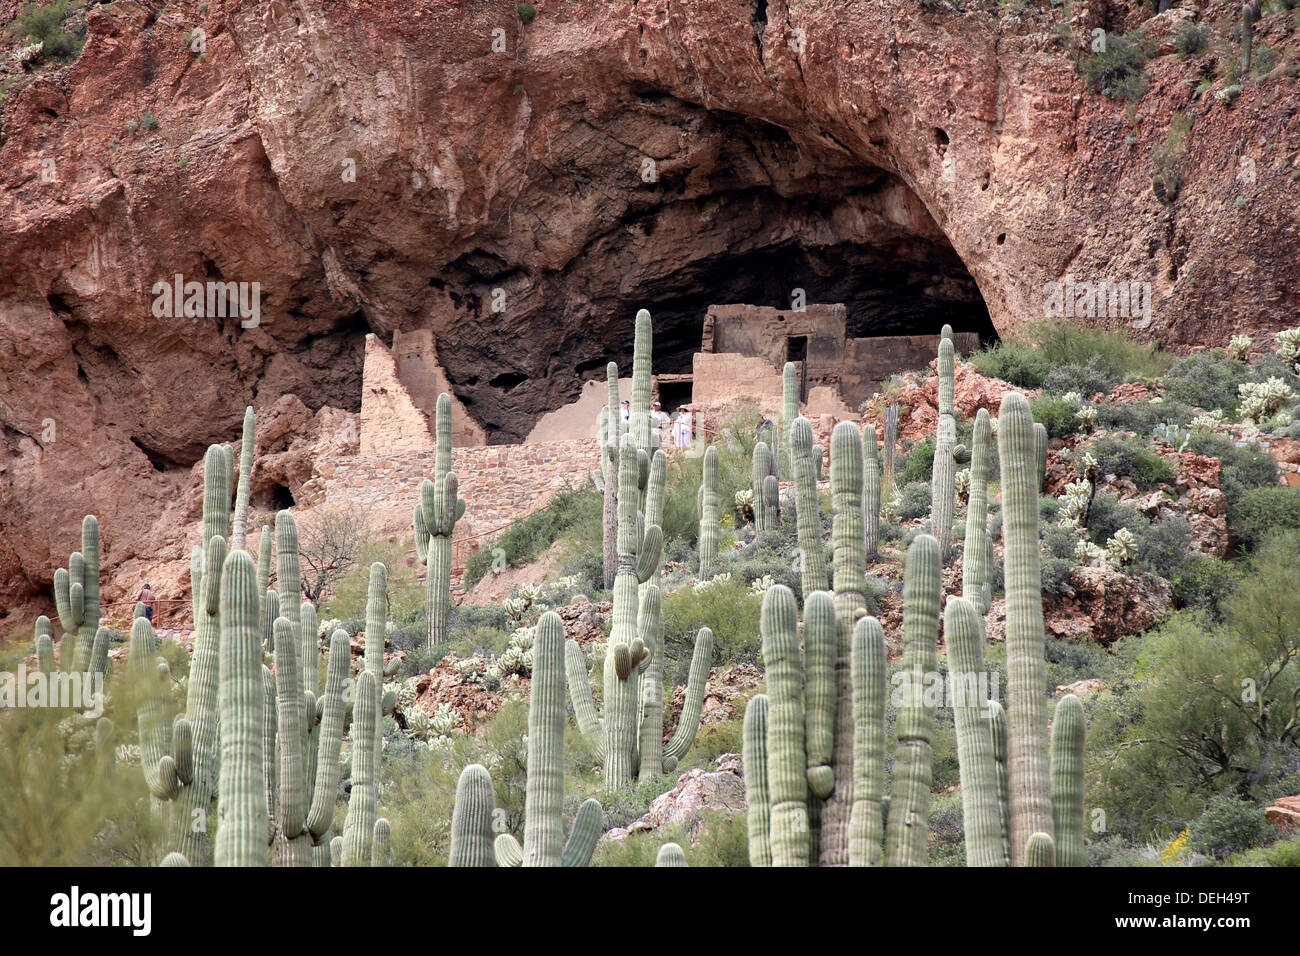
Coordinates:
(1029, 800)
(471, 820)
(246, 447)
(867, 821)
(807, 508)
(890, 442)
(631, 641)
(789, 412)
(787, 770)
(976, 574)
(871, 484)
(544, 843)
(1040, 850)
(642, 348)
(1040, 454)
(758, 800)
(760, 470)
(670, 854)
(909, 805)
(942, 483)
(612, 429)
(964, 633)
(242, 807)
(1067, 782)
(76, 597)
(709, 514)
(439, 510)
(359, 826)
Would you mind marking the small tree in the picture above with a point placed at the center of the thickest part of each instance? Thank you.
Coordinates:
(330, 542)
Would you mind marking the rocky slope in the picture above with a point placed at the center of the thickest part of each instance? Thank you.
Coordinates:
(915, 160)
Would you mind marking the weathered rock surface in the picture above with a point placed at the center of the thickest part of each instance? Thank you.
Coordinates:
(696, 793)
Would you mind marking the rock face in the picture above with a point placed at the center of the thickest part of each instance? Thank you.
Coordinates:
(1285, 812)
(1107, 604)
(696, 793)
(521, 189)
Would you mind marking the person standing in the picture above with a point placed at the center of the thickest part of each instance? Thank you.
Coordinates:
(148, 599)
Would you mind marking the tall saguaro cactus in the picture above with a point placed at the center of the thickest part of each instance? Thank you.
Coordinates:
(786, 755)
(709, 514)
(909, 805)
(359, 826)
(789, 412)
(438, 511)
(758, 801)
(760, 471)
(471, 819)
(942, 483)
(612, 429)
(1029, 799)
(976, 575)
(76, 597)
(807, 508)
(239, 528)
(871, 490)
(890, 438)
(631, 641)
(870, 672)
(1067, 781)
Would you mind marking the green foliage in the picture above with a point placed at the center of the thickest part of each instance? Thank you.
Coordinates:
(1087, 379)
(1108, 514)
(526, 12)
(1167, 158)
(1055, 414)
(148, 120)
(405, 592)
(1165, 547)
(1141, 417)
(1118, 70)
(1262, 512)
(916, 465)
(1211, 380)
(44, 23)
(725, 607)
(914, 500)
(524, 541)
(1191, 39)
(1132, 458)
(1017, 362)
(718, 841)
(1244, 467)
(1028, 357)
(1229, 825)
(1056, 576)
(1204, 581)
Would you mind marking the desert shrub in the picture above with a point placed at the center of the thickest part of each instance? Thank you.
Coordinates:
(44, 23)
(758, 561)
(1141, 417)
(718, 840)
(1118, 70)
(1086, 379)
(525, 540)
(1229, 825)
(1204, 581)
(1058, 542)
(1262, 512)
(1055, 414)
(1070, 660)
(1244, 467)
(1208, 380)
(1108, 514)
(914, 500)
(1132, 458)
(726, 607)
(916, 465)
(947, 830)
(1191, 39)
(1056, 576)
(1014, 361)
(1281, 853)
(1164, 547)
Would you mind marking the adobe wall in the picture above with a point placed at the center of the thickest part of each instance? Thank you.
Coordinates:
(762, 331)
(869, 362)
(726, 376)
(500, 483)
(581, 418)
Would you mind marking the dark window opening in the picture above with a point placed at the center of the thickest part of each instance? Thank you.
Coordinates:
(673, 395)
(796, 350)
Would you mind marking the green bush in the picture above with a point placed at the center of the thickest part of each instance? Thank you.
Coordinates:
(1204, 582)
(1132, 458)
(525, 540)
(1108, 514)
(1165, 547)
(1028, 357)
(914, 500)
(1244, 467)
(719, 840)
(44, 23)
(1013, 361)
(1141, 417)
(1055, 414)
(405, 590)
(727, 608)
(1229, 825)
(1262, 512)
(1118, 70)
(1191, 39)
(916, 465)
(1056, 576)
(1087, 379)
(1208, 380)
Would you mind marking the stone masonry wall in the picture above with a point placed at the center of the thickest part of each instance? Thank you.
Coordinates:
(500, 484)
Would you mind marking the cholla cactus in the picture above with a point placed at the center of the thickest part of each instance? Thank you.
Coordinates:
(1087, 416)
(1262, 400)
(1288, 346)
(702, 586)
(891, 508)
(1121, 548)
(1088, 554)
(517, 658)
(1074, 502)
(328, 626)
(1074, 398)
(744, 499)
(1208, 421)
(29, 54)
(961, 483)
(760, 585)
(1239, 347)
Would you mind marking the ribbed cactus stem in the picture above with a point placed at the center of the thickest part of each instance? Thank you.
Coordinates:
(90, 579)
(1040, 454)
(758, 799)
(1067, 782)
(641, 385)
(819, 692)
(588, 825)
(44, 645)
(440, 510)
(869, 671)
(890, 440)
(1040, 850)
(975, 573)
(265, 548)
(787, 767)
(247, 442)
(709, 515)
(241, 794)
(807, 508)
(507, 850)
(909, 804)
(761, 468)
(1028, 772)
(998, 731)
(289, 586)
(292, 843)
(789, 412)
(381, 852)
(670, 854)
(696, 684)
(324, 793)
(871, 484)
(471, 819)
(544, 790)
(609, 458)
(963, 631)
(944, 474)
(216, 499)
(359, 826)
